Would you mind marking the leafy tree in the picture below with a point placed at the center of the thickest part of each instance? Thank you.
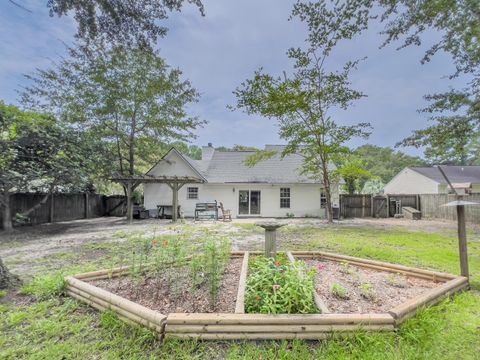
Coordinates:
(129, 98)
(452, 140)
(454, 135)
(193, 151)
(117, 21)
(37, 155)
(373, 186)
(353, 172)
(384, 162)
(303, 101)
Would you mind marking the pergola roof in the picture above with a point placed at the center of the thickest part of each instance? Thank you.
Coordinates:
(150, 179)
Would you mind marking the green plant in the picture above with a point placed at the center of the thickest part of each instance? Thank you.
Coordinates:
(347, 269)
(278, 286)
(290, 215)
(396, 280)
(340, 292)
(367, 291)
(45, 287)
(197, 269)
(216, 255)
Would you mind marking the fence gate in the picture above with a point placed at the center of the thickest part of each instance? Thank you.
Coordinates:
(380, 206)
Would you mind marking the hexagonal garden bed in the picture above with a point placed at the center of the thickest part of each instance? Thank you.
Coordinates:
(348, 294)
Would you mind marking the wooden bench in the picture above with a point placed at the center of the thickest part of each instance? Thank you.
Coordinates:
(206, 210)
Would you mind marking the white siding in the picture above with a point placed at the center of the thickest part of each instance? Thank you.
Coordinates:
(172, 165)
(304, 198)
(408, 181)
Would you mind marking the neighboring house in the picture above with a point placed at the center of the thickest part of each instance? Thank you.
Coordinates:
(429, 180)
(272, 188)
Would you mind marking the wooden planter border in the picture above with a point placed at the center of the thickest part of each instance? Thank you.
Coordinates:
(238, 325)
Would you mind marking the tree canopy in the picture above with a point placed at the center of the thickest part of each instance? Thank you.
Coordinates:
(354, 173)
(303, 101)
(128, 98)
(453, 136)
(384, 162)
(119, 21)
(38, 154)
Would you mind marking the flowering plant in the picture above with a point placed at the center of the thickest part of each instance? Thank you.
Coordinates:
(279, 287)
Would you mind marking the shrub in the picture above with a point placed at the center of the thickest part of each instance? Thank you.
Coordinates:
(279, 287)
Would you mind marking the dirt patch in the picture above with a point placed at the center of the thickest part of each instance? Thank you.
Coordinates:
(167, 296)
(366, 291)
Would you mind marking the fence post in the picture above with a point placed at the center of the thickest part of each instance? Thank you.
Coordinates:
(52, 208)
(87, 206)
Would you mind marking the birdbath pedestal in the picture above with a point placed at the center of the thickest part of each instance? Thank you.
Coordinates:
(270, 237)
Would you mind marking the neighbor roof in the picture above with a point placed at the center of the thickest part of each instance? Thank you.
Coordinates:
(228, 167)
(456, 174)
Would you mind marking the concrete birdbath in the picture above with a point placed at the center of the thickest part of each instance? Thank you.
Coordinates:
(270, 237)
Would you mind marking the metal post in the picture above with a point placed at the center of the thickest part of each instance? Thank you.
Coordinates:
(462, 232)
(462, 240)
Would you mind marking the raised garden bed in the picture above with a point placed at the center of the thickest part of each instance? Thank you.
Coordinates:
(400, 292)
(158, 293)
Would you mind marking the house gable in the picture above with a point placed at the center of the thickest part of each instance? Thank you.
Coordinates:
(174, 164)
(408, 181)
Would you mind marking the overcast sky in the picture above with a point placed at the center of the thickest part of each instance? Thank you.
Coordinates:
(219, 51)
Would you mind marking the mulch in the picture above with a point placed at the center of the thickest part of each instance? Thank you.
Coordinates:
(172, 291)
(385, 290)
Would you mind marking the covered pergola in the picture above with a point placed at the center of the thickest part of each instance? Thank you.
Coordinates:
(130, 182)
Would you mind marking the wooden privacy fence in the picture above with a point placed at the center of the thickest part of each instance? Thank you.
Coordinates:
(431, 207)
(383, 206)
(64, 207)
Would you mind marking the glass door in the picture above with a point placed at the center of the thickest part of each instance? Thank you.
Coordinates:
(243, 202)
(254, 202)
(249, 202)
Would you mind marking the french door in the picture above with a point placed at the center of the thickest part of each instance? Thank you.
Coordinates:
(249, 202)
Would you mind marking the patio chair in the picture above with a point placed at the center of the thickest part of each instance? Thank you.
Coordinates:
(226, 214)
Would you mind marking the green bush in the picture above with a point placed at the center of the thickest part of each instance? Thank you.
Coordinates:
(279, 287)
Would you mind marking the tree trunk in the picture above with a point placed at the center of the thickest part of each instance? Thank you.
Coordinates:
(129, 203)
(7, 213)
(7, 279)
(328, 194)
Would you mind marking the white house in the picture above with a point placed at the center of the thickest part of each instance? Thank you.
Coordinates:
(429, 180)
(272, 188)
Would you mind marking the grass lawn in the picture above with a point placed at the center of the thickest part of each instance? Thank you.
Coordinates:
(47, 325)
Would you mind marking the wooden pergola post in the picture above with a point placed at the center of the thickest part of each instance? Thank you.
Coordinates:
(174, 182)
(175, 186)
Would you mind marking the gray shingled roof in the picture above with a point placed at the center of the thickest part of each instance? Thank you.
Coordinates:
(456, 174)
(228, 167)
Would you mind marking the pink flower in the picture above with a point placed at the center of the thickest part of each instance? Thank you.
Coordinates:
(275, 286)
(321, 266)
